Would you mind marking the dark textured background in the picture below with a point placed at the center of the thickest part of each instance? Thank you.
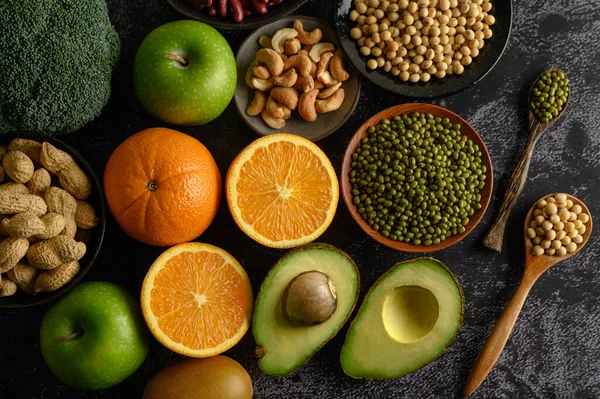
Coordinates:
(554, 351)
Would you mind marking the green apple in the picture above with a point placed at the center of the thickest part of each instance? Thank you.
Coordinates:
(184, 73)
(94, 337)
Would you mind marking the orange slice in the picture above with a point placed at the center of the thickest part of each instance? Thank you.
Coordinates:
(197, 300)
(282, 190)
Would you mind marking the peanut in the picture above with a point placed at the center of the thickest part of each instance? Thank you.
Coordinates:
(70, 175)
(54, 224)
(57, 278)
(39, 182)
(24, 276)
(54, 252)
(23, 225)
(18, 166)
(70, 228)
(85, 215)
(13, 203)
(7, 287)
(61, 202)
(31, 148)
(12, 250)
(12, 187)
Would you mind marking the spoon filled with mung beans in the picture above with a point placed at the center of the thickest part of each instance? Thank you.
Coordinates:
(548, 99)
(557, 227)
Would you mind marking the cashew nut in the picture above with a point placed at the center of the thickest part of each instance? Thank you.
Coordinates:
(323, 65)
(336, 67)
(305, 83)
(329, 91)
(331, 103)
(287, 113)
(261, 72)
(265, 42)
(306, 106)
(327, 79)
(250, 72)
(299, 62)
(273, 123)
(286, 95)
(273, 110)
(320, 48)
(282, 36)
(319, 85)
(287, 79)
(258, 103)
(261, 84)
(307, 38)
(271, 59)
(292, 47)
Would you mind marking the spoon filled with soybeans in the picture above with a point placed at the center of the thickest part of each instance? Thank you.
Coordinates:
(556, 228)
(548, 99)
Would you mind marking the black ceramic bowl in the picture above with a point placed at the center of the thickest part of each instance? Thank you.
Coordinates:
(250, 22)
(21, 299)
(487, 59)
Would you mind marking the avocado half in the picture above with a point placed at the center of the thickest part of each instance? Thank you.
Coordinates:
(283, 346)
(408, 318)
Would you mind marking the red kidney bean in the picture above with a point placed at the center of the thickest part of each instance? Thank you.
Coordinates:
(222, 7)
(237, 10)
(259, 6)
(212, 11)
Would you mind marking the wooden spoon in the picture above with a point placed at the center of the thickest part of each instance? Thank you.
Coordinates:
(495, 235)
(534, 267)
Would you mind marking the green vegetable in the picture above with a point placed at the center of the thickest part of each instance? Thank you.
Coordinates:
(57, 60)
(417, 179)
(549, 96)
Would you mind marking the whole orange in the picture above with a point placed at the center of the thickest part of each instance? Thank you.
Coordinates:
(162, 186)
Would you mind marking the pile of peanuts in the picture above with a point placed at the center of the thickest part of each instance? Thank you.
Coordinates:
(557, 227)
(418, 39)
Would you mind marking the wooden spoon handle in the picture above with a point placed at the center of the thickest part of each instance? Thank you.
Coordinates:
(495, 343)
(495, 236)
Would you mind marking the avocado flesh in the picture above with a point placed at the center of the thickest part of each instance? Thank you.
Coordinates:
(408, 318)
(287, 346)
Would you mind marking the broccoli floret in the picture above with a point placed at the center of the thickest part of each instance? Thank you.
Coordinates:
(56, 62)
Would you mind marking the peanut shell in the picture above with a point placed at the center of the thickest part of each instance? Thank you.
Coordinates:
(54, 252)
(12, 250)
(57, 278)
(31, 148)
(61, 202)
(18, 166)
(13, 203)
(24, 276)
(39, 182)
(7, 287)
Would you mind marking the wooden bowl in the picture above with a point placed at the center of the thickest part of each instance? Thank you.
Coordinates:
(389, 113)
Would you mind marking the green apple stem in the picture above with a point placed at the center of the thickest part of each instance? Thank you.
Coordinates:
(70, 336)
(177, 58)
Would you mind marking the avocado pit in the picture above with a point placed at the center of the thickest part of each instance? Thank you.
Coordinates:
(309, 299)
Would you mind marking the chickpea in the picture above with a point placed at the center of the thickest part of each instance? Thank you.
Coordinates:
(571, 247)
(550, 251)
(426, 64)
(361, 41)
(390, 55)
(418, 59)
(379, 14)
(429, 54)
(386, 35)
(393, 17)
(458, 68)
(562, 251)
(490, 19)
(413, 7)
(487, 6)
(374, 3)
(371, 20)
(361, 8)
(376, 51)
(402, 52)
(440, 74)
(404, 66)
(403, 5)
(424, 13)
(354, 15)
(415, 77)
(414, 68)
(418, 24)
(372, 64)
(380, 62)
(537, 250)
(395, 71)
(404, 75)
(366, 51)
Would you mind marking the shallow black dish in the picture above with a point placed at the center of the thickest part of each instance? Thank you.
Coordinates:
(481, 66)
(249, 22)
(21, 299)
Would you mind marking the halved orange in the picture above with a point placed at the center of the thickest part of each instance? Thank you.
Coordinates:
(197, 300)
(282, 190)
